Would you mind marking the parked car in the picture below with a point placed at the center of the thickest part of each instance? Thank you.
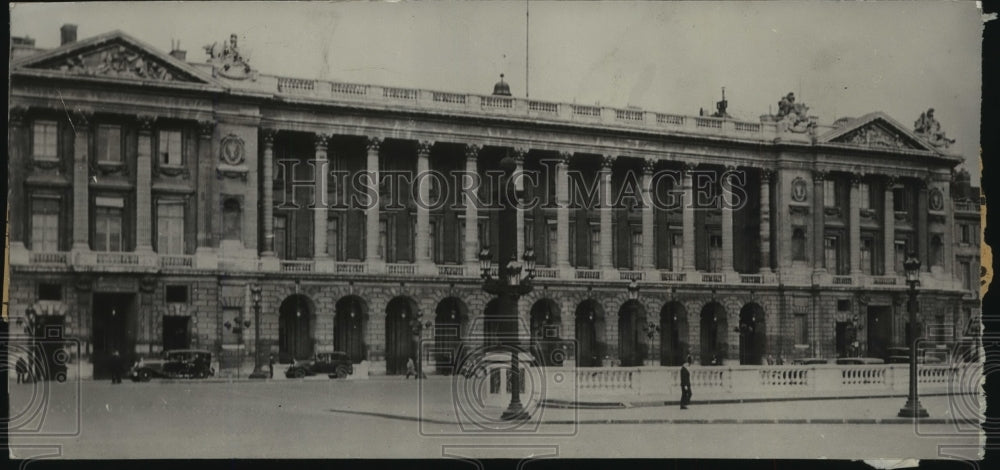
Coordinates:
(859, 360)
(175, 364)
(811, 361)
(900, 355)
(336, 365)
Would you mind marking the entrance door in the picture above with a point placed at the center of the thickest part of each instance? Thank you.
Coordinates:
(399, 340)
(630, 341)
(349, 335)
(113, 330)
(175, 333)
(879, 331)
(842, 339)
(294, 334)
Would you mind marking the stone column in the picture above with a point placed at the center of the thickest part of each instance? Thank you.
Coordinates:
(519, 154)
(727, 219)
(422, 237)
(889, 229)
(562, 210)
(687, 217)
(605, 212)
(854, 224)
(948, 237)
(471, 253)
(372, 213)
(922, 225)
(206, 174)
(81, 182)
(765, 220)
(19, 160)
(320, 169)
(648, 235)
(267, 191)
(819, 226)
(143, 182)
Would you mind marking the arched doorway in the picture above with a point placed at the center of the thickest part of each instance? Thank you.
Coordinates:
(632, 344)
(589, 334)
(295, 341)
(545, 331)
(753, 334)
(349, 326)
(673, 334)
(451, 320)
(399, 339)
(713, 333)
(498, 327)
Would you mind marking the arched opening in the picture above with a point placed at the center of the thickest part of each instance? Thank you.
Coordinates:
(632, 345)
(753, 334)
(451, 322)
(545, 332)
(713, 333)
(499, 327)
(350, 324)
(295, 316)
(673, 334)
(589, 334)
(400, 343)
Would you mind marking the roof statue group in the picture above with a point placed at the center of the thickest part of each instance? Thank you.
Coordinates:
(793, 116)
(929, 128)
(228, 62)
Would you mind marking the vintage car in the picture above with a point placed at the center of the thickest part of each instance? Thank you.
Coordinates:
(335, 365)
(810, 361)
(900, 355)
(175, 364)
(857, 361)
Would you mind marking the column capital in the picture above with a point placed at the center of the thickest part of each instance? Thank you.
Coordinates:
(472, 151)
(269, 135)
(519, 153)
(856, 179)
(818, 176)
(82, 115)
(923, 183)
(766, 175)
(648, 165)
(146, 122)
(565, 157)
(607, 161)
(688, 167)
(424, 147)
(17, 114)
(373, 143)
(321, 140)
(206, 129)
(890, 181)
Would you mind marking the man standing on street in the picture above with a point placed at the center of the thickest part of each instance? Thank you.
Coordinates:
(685, 384)
(270, 366)
(411, 369)
(22, 370)
(116, 367)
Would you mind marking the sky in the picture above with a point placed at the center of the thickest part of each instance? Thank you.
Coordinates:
(842, 59)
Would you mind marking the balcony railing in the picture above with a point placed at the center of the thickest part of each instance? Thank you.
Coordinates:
(547, 273)
(588, 274)
(290, 266)
(57, 257)
(713, 278)
(176, 261)
(668, 276)
(751, 279)
(127, 259)
(286, 84)
(543, 107)
(631, 275)
(966, 206)
(884, 280)
(400, 269)
(451, 271)
(842, 280)
(400, 93)
(349, 267)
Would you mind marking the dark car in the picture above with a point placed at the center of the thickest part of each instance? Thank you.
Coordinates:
(177, 363)
(899, 355)
(810, 361)
(336, 365)
(858, 361)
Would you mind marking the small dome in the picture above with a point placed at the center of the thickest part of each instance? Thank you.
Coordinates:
(501, 88)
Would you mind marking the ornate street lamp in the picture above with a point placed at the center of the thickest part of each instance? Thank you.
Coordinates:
(237, 326)
(912, 408)
(514, 278)
(255, 298)
(416, 329)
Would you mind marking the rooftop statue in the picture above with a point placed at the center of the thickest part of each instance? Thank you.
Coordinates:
(228, 61)
(793, 116)
(929, 128)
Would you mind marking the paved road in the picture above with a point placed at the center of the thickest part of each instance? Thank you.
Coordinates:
(328, 419)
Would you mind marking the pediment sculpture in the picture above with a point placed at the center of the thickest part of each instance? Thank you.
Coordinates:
(119, 61)
(228, 62)
(929, 128)
(792, 116)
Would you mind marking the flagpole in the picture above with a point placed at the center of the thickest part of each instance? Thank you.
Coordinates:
(527, 29)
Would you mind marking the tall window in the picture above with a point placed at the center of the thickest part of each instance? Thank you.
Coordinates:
(170, 228)
(595, 246)
(900, 201)
(937, 249)
(460, 241)
(864, 196)
(829, 193)
(432, 237)
(965, 231)
(44, 138)
(108, 224)
(714, 253)
(281, 236)
(529, 234)
(867, 246)
(45, 224)
(109, 144)
(801, 328)
(676, 251)
(636, 250)
(553, 244)
(333, 237)
(799, 244)
(232, 219)
(830, 252)
(170, 148)
(900, 254)
(966, 274)
(383, 238)
(572, 245)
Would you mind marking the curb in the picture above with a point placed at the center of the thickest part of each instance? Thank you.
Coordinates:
(554, 403)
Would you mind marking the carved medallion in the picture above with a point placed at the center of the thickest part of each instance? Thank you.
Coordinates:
(799, 189)
(231, 150)
(936, 199)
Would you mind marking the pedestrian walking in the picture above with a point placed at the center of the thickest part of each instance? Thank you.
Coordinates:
(685, 384)
(116, 367)
(22, 370)
(770, 360)
(411, 369)
(270, 366)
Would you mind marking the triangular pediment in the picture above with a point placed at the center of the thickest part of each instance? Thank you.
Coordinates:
(876, 131)
(117, 56)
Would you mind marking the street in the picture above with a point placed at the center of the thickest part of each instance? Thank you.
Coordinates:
(381, 418)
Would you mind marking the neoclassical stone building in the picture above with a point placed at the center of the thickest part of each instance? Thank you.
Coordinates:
(149, 192)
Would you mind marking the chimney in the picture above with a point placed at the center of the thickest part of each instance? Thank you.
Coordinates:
(176, 52)
(67, 33)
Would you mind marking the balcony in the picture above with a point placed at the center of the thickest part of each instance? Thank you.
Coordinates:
(670, 276)
(592, 274)
(631, 275)
(451, 271)
(176, 261)
(968, 207)
(296, 266)
(56, 258)
(399, 269)
(349, 267)
(713, 278)
(842, 280)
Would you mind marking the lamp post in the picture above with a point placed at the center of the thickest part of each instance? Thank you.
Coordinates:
(912, 408)
(255, 298)
(237, 326)
(510, 284)
(31, 329)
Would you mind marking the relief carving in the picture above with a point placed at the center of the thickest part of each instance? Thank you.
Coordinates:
(118, 61)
